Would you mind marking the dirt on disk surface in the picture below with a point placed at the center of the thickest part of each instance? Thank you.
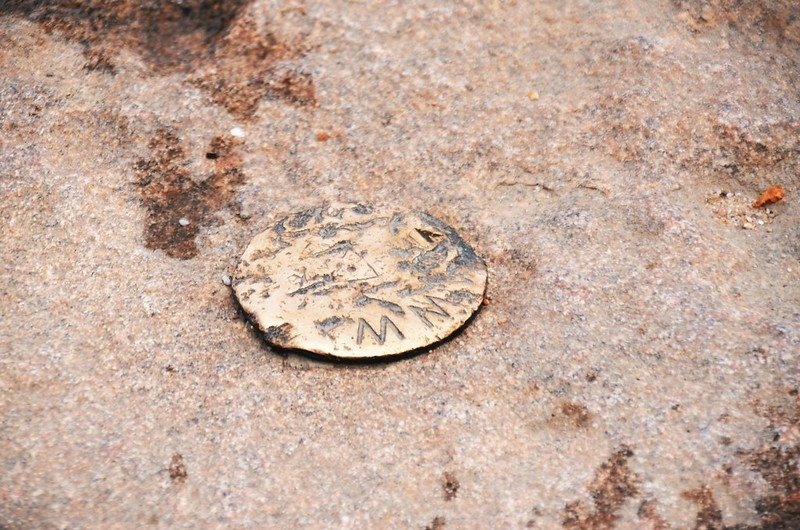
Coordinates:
(636, 360)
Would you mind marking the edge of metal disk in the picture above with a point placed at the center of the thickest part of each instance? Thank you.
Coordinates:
(369, 359)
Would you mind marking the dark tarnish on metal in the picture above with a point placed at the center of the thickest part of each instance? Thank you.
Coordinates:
(351, 282)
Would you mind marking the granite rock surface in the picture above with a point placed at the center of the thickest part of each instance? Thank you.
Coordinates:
(636, 365)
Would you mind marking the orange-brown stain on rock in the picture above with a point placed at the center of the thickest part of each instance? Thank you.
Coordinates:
(216, 44)
(740, 150)
(709, 516)
(613, 484)
(438, 523)
(178, 206)
(778, 463)
(779, 467)
(245, 68)
(576, 414)
(450, 486)
(177, 469)
(570, 415)
(772, 18)
(649, 516)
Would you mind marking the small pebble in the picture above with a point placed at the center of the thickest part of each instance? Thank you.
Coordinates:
(183, 221)
(226, 279)
(533, 95)
(237, 132)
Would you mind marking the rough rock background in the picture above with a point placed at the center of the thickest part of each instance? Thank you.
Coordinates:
(636, 365)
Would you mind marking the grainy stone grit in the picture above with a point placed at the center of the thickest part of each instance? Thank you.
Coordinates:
(636, 365)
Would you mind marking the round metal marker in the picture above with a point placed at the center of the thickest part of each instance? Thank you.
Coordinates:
(353, 282)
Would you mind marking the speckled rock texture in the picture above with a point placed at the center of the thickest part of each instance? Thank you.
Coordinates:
(637, 363)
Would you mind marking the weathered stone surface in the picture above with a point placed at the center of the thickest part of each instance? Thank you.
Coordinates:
(636, 364)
